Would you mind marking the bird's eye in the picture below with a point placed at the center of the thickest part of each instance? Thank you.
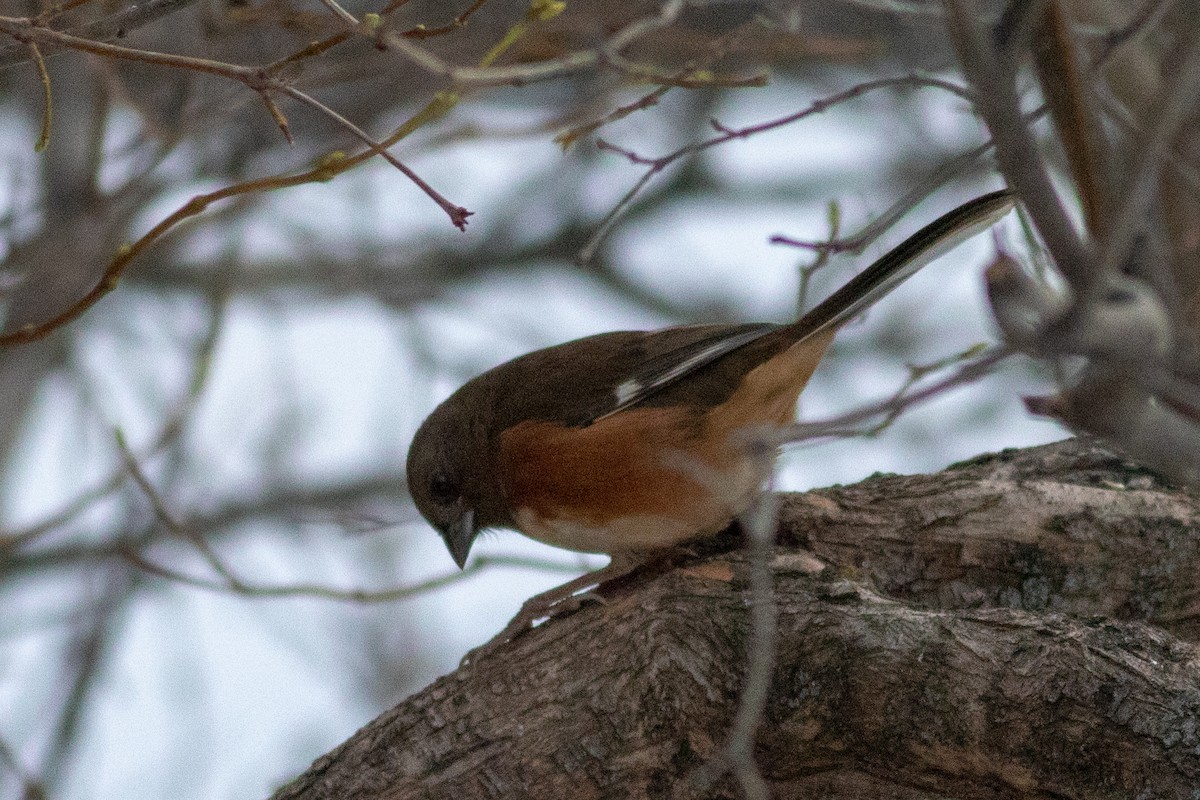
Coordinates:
(1119, 296)
(443, 489)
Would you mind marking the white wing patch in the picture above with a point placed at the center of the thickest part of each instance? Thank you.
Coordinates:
(627, 390)
(634, 390)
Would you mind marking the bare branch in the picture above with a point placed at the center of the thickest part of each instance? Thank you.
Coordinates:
(737, 755)
(1016, 152)
(114, 26)
(1178, 107)
(231, 584)
(660, 163)
(843, 425)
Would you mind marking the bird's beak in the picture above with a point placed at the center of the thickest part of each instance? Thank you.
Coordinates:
(459, 537)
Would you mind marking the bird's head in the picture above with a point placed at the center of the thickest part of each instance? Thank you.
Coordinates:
(450, 473)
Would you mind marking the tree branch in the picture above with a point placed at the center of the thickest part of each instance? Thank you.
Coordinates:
(870, 696)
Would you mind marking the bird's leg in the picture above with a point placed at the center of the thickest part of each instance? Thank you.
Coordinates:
(559, 601)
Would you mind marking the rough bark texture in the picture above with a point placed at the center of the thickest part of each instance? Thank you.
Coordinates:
(986, 672)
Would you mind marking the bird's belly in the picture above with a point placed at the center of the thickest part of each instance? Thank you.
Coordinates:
(629, 484)
(629, 534)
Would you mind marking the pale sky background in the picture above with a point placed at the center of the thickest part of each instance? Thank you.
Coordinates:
(219, 696)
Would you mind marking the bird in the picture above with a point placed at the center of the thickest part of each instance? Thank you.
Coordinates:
(630, 443)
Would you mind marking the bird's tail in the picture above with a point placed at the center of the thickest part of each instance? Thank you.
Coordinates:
(902, 262)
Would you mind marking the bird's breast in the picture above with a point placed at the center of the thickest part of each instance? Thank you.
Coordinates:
(648, 478)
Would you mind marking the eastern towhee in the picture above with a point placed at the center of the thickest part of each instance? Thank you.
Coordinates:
(631, 442)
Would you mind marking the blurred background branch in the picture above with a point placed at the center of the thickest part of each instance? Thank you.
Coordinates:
(190, 260)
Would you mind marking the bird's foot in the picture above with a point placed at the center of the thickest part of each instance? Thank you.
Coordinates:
(560, 601)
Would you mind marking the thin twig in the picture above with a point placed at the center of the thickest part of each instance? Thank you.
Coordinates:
(1017, 153)
(875, 228)
(1180, 167)
(254, 78)
(23, 30)
(716, 50)
(822, 259)
(1071, 101)
(913, 8)
(606, 54)
(520, 74)
(737, 755)
(277, 115)
(115, 26)
(423, 32)
(458, 215)
(239, 586)
(49, 15)
(31, 786)
(724, 134)
(167, 432)
(1178, 107)
(341, 13)
(841, 426)
(164, 515)
(1149, 14)
(87, 656)
(43, 139)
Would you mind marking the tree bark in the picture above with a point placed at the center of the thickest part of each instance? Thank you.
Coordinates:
(1019, 625)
